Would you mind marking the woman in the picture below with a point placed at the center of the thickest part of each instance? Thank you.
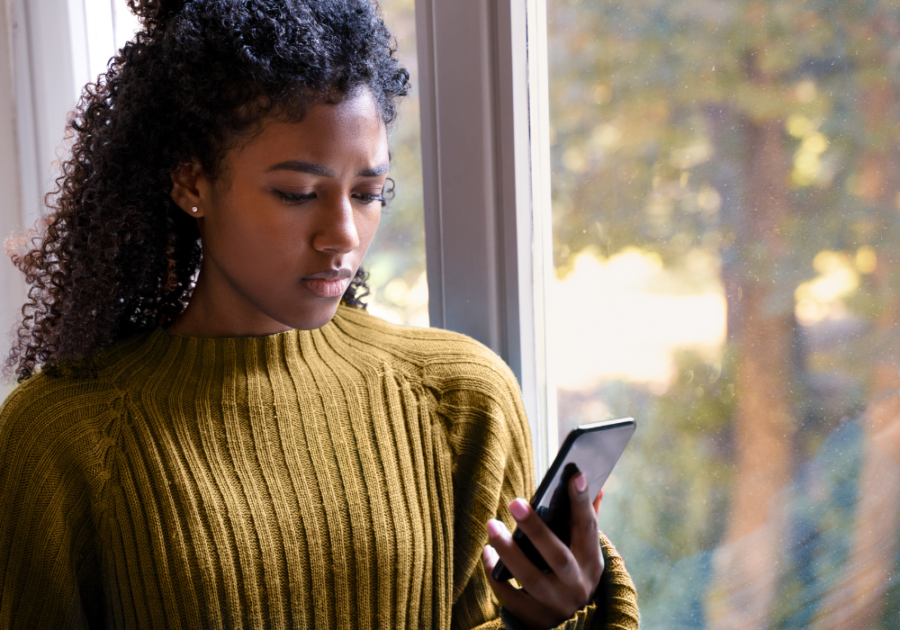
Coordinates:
(220, 436)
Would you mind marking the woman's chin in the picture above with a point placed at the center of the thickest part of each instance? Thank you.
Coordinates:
(313, 317)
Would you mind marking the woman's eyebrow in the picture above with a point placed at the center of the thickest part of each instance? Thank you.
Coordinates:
(375, 171)
(302, 167)
(322, 171)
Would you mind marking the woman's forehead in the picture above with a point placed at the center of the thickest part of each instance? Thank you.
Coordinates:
(349, 130)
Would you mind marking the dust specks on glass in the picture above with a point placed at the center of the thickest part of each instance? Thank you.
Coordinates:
(726, 190)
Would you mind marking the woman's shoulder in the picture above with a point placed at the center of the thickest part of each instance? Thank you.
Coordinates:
(433, 352)
(44, 418)
(62, 401)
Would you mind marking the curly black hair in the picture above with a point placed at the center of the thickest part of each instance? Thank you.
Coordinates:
(116, 255)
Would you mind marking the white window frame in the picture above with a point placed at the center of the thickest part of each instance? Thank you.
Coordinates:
(49, 49)
(58, 46)
(12, 283)
(486, 173)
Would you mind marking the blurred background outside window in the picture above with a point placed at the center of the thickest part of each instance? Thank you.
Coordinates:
(396, 259)
(726, 210)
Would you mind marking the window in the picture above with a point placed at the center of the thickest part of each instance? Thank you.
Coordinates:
(396, 259)
(725, 202)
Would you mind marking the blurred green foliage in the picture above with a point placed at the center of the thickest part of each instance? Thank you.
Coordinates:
(636, 88)
(652, 108)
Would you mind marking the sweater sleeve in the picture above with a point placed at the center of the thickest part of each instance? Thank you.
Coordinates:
(491, 444)
(49, 576)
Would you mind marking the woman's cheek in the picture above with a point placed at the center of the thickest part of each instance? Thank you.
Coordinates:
(371, 227)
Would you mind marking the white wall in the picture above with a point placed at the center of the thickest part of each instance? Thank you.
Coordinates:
(43, 64)
(49, 49)
(51, 64)
(12, 285)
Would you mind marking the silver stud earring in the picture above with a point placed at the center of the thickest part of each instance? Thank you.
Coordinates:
(194, 209)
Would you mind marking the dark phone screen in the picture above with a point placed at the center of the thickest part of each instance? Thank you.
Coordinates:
(595, 453)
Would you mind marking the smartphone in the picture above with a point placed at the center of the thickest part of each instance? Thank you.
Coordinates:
(590, 448)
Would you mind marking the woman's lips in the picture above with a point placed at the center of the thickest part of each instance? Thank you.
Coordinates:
(326, 287)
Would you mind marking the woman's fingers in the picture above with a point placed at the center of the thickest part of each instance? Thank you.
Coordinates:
(584, 518)
(585, 541)
(522, 605)
(576, 570)
(551, 548)
(503, 590)
(528, 575)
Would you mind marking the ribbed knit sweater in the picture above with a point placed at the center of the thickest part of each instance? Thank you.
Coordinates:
(334, 478)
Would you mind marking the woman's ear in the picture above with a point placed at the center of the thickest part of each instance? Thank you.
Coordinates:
(186, 188)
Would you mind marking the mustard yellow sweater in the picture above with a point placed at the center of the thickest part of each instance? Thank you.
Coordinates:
(335, 478)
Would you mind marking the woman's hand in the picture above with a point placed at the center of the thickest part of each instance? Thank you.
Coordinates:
(551, 598)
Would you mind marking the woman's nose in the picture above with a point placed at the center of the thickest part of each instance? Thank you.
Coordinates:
(336, 227)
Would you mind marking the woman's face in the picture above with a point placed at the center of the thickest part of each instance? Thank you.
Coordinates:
(286, 225)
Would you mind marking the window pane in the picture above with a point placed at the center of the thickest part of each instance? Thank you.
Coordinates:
(726, 212)
(396, 259)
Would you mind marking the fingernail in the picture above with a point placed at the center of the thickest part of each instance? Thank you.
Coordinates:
(495, 528)
(580, 482)
(519, 509)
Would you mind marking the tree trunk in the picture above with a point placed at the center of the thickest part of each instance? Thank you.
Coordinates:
(857, 600)
(747, 564)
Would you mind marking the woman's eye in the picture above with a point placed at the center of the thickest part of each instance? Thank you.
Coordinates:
(367, 198)
(295, 198)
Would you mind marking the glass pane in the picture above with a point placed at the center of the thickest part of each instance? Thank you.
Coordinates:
(726, 191)
(396, 259)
